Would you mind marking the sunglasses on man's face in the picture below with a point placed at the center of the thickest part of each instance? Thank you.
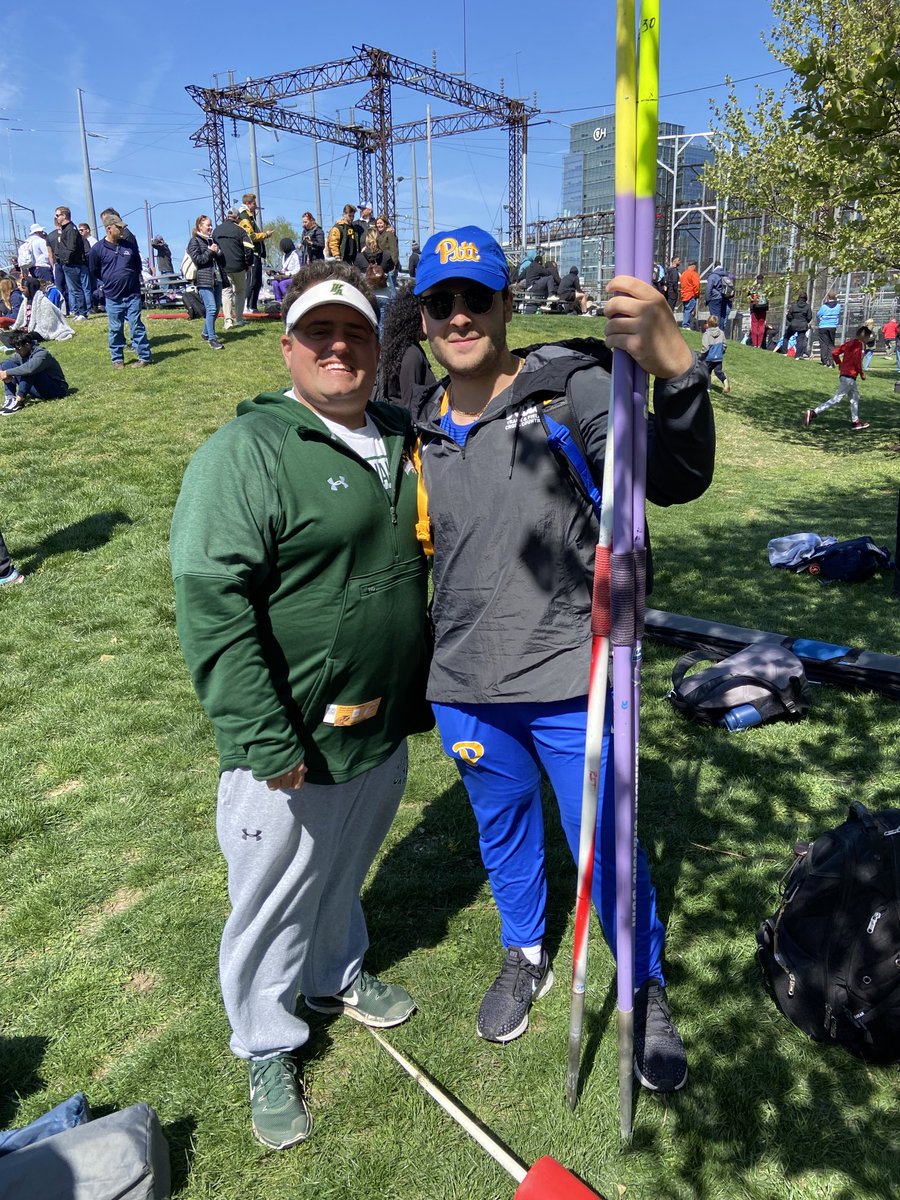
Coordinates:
(477, 298)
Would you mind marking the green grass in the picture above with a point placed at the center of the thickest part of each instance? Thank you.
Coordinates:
(112, 892)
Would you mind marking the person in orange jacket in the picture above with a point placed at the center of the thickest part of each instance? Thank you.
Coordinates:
(690, 294)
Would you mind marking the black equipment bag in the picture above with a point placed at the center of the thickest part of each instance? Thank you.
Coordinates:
(193, 302)
(831, 953)
(765, 676)
(852, 561)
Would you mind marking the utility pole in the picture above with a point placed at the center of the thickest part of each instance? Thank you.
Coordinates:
(415, 196)
(254, 171)
(12, 223)
(430, 173)
(320, 216)
(524, 185)
(86, 163)
(149, 238)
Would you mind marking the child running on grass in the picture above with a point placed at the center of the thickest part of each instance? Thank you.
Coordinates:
(714, 347)
(849, 358)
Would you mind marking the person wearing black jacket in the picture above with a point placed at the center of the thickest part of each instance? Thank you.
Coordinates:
(569, 290)
(513, 558)
(798, 320)
(534, 271)
(414, 256)
(210, 278)
(312, 242)
(673, 282)
(163, 254)
(237, 252)
(67, 245)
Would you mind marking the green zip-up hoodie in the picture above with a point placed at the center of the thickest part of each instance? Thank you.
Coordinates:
(299, 585)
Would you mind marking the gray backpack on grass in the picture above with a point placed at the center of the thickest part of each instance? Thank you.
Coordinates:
(763, 682)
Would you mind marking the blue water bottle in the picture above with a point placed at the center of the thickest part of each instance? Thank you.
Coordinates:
(741, 717)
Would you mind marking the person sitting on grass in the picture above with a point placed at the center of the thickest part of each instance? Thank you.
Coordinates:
(32, 373)
(713, 352)
(40, 315)
(8, 572)
(849, 358)
(10, 301)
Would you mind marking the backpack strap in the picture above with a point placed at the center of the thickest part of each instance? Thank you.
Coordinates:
(705, 690)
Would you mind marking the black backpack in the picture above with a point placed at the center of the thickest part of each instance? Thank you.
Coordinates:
(831, 953)
(763, 682)
(850, 562)
(196, 309)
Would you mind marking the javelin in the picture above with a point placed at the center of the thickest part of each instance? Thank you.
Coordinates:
(635, 214)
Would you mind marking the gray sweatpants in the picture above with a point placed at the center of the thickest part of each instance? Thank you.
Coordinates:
(846, 387)
(297, 860)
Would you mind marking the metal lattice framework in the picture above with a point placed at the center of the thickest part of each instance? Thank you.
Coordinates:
(261, 102)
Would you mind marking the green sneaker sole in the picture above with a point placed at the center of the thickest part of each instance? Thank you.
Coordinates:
(334, 1007)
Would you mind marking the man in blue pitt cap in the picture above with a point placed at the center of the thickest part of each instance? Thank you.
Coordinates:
(513, 537)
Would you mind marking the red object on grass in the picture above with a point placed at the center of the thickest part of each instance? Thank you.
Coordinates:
(549, 1180)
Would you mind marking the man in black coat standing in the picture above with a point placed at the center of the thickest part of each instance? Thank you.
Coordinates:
(673, 282)
(238, 250)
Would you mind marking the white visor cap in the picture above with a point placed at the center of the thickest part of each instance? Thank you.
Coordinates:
(330, 291)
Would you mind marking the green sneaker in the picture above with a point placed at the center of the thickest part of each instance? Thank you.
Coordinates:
(280, 1115)
(368, 1001)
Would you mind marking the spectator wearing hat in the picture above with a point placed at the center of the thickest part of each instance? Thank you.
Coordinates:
(267, 566)
(116, 263)
(35, 255)
(365, 222)
(414, 255)
(512, 552)
(163, 254)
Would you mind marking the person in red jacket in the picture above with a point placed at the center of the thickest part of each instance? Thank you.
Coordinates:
(690, 294)
(849, 358)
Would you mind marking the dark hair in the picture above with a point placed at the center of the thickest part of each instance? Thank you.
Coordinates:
(67, 212)
(23, 337)
(802, 296)
(248, 197)
(402, 329)
(308, 214)
(319, 271)
(286, 246)
(31, 287)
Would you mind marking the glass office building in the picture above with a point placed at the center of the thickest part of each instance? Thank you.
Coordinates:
(588, 186)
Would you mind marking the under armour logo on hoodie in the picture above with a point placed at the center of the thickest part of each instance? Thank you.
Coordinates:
(338, 483)
(255, 836)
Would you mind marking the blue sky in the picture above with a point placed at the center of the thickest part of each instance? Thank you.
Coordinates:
(133, 68)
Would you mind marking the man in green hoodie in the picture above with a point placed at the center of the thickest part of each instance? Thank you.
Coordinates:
(300, 599)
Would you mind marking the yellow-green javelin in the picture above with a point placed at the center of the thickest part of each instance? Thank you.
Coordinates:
(636, 136)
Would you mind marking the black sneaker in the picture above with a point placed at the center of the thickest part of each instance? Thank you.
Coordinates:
(660, 1062)
(503, 1015)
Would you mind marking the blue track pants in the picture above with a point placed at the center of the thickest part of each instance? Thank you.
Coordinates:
(499, 750)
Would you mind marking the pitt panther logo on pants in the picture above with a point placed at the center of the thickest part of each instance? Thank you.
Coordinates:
(470, 752)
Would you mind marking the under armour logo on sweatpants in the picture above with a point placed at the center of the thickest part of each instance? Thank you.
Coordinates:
(255, 836)
(339, 482)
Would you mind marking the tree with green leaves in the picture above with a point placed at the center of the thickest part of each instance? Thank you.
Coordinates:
(824, 152)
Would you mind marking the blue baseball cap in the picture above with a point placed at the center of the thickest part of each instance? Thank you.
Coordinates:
(464, 253)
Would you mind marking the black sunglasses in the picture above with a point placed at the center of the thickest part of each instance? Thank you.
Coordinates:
(477, 298)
